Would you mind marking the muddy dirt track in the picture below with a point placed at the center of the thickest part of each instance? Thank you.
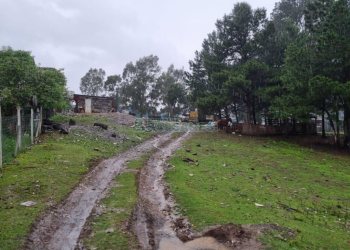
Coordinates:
(155, 221)
(158, 225)
(60, 228)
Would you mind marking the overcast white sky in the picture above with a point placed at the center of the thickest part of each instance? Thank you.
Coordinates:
(81, 34)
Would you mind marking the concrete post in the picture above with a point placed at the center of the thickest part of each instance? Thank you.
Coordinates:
(19, 131)
(32, 125)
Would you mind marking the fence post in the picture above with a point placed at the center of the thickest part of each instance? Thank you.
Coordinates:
(19, 131)
(32, 125)
(0, 136)
(40, 122)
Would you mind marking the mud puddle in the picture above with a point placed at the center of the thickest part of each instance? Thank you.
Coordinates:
(60, 228)
(158, 225)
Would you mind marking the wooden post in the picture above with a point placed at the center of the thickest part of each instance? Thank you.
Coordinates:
(19, 131)
(32, 125)
(0, 137)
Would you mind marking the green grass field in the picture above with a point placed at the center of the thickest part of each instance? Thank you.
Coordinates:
(47, 173)
(300, 189)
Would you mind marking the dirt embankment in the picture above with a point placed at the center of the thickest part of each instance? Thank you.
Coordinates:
(119, 118)
(60, 228)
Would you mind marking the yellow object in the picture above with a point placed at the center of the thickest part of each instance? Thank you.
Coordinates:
(193, 116)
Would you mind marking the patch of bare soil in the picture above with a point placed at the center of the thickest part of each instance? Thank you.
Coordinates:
(119, 118)
(234, 236)
(60, 228)
(158, 225)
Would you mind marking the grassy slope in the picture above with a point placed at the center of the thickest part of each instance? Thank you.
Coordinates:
(47, 173)
(118, 207)
(234, 173)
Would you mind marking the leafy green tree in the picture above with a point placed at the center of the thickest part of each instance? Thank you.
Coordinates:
(170, 91)
(329, 95)
(280, 31)
(93, 82)
(51, 88)
(291, 11)
(21, 79)
(246, 82)
(316, 12)
(331, 34)
(138, 81)
(17, 76)
(293, 101)
(175, 98)
(111, 84)
(233, 43)
(196, 79)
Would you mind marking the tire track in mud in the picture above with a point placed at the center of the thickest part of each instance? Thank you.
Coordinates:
(151, 223)
(60, 228)
(157, 224)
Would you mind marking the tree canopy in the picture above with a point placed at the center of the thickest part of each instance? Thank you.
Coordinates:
(92, 83)
(21, 79)
(292, 66)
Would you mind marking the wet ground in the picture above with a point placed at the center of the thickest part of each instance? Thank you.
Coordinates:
(60, 228)
(156, 222)
(158, 225)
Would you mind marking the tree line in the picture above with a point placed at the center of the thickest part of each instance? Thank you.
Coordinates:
(287, 68)
(142, 87)
(21, 79)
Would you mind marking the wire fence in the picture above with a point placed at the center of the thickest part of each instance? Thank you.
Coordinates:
(17, 135)
(172, 125)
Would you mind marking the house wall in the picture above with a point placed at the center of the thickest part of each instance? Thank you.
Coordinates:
(102, 105)
(98, 104)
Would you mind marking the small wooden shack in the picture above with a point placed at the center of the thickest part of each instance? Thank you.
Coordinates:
(93, 104)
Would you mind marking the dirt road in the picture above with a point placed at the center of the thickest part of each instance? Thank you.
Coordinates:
(157, 224)
(60, 228)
